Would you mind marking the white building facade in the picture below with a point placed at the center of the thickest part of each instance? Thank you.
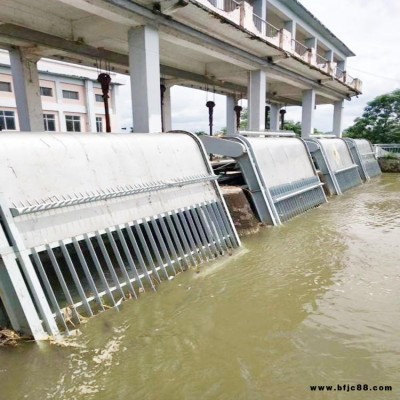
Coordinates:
(71, 98)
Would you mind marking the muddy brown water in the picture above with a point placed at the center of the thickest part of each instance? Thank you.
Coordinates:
(315, 302)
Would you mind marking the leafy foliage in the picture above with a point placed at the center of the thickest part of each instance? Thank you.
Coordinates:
(380, 122)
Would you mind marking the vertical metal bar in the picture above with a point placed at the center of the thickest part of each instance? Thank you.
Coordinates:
(162, 244)
(146, 250)
(216, 226)
(63, 284)
(181, 216)
(120, 261)
(155, 248)
(99, 269)
(87, 272)
(221, 224)
(212, 228)
(196, 236)
(75, 278)
(109, 263)
(201, 231)
(128, 256)
(176, 239)
(207, 229)
(139, 255)
(183, 238)
(228, 226)
(48, 287)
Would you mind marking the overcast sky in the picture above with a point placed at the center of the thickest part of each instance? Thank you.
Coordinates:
(370, 28)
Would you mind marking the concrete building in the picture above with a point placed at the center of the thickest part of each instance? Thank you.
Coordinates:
(71, 98)
(273, 52)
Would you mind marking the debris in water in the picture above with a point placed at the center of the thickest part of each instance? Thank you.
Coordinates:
(9, 337)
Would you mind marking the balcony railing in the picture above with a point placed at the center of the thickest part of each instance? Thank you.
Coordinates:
(321, 61)
(339, 73)
(225, 5)
(349, 80)
(265, 27)
(299, 48)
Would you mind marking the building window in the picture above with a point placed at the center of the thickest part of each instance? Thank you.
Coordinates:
(46, 91)
(73, 123)
(5, 87)
(99, 124)
(49, 122)
(7, 120)
(99, 98)
(70, 94)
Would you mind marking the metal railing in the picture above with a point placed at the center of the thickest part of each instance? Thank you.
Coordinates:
(299, 48)
(391, 149)
(265, 27)
(321, 61)
(339, 73)
(349, 79)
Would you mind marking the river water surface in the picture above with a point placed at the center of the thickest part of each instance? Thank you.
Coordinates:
(315, 302)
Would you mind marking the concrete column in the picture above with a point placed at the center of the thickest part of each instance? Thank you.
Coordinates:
(144, 68)
(27, 90)
(337, 117)
(230, 115)
(307, 116)
(63, 126)
(290, 26)
(311, 43)
(257, 86)
(342, 65)
(167, 117)
(274, 117)
(329, 55)
(90, 106)
(115, 120)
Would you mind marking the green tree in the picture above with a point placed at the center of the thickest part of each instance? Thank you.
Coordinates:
(293, 126)
(380, 122)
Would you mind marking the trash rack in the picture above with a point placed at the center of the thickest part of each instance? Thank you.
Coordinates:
(333, 159)
(364, 156)
(279, 173)
(88, 220)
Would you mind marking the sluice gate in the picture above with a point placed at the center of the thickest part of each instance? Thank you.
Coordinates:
(364, 156)
(278, 171)
(332, 157)
(88, 220)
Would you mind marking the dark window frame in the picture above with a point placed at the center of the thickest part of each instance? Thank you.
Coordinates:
(44, 90)
(7, 120)
(70, 94)
(73, 123)
(49, 121)
(6, 88)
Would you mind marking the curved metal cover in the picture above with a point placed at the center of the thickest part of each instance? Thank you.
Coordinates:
(40, 167)
(282, 160)
(337, 153)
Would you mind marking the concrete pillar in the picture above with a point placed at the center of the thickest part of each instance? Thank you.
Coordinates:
(329, 55)
(307, 116)
(230, 115)
(311, 43)
(342, 64)
(63, 126)
(166, 110)
(337, 117)
(90, 106)
(274, 117)
(290, 26)
(27, 90)
(257, 86)
(144, 68)
(116, 109)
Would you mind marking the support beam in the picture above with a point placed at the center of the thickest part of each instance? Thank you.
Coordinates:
(307, 116)
(257, 86)
(337, 118)
(90, 107)
(274, 117)
(166, 110)
(230, 115)
(27, 91)
(144, 68)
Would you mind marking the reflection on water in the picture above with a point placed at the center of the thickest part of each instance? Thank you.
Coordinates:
(314, 302)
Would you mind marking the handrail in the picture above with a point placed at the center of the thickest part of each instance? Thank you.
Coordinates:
(339, 73)
(299, 48)
(265, 27)
(227, 5)
(321, 60)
